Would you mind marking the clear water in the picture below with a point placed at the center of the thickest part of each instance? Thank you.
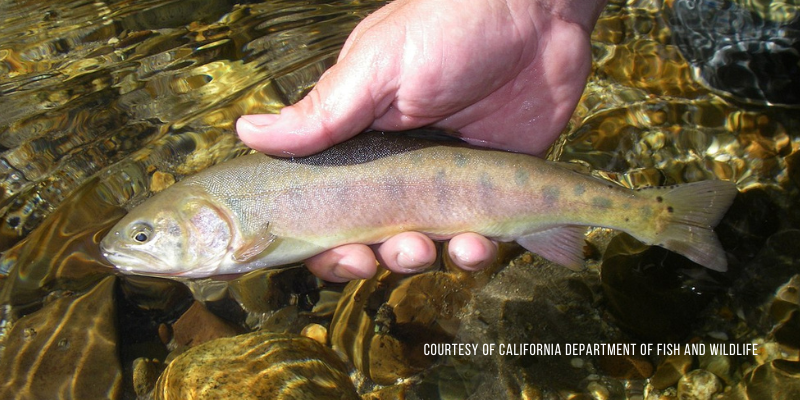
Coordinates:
(105, 102)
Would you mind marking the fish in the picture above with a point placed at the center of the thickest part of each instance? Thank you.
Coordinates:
(258, 211)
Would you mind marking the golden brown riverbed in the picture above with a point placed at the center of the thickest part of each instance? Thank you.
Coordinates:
(103, 103)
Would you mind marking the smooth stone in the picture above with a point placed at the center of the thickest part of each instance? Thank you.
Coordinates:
(198, 325)
(66, 350)
(258, 365)
(698, 385)
(671, 370)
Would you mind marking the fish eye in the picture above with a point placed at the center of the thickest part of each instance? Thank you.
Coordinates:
(141, 233)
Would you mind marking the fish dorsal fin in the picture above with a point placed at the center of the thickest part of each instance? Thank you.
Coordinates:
(561, 244)
(251, 248)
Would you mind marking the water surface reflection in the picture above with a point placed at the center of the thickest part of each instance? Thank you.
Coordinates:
(105, 102)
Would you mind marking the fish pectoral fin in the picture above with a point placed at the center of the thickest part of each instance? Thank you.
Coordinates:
(562, 245)
(252, 248)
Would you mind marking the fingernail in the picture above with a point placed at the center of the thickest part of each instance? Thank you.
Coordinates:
(257, 120)
(245, 126)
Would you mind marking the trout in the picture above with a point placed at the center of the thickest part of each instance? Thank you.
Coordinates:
(258, 211)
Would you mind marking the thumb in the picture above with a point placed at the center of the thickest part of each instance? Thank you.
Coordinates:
(342, 104)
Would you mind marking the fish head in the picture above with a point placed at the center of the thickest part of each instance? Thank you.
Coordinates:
(171, 235)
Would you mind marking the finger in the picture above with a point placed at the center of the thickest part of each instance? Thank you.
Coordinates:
(407, 252)
(471, 251)
(343, 103)
(344, 263)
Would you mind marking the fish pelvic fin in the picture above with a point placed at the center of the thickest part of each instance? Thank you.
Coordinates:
(561, 245)
(692, 212)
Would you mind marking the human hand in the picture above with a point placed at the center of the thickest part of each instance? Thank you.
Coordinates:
(505, 74)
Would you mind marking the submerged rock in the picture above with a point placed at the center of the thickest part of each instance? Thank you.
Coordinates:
(777, 380)
(259, 365)
(537, 303)
(145, 375)
(198, 325)
(66, 350)
(648, 293)
(698, 385)
(382, 324)
(671, 370)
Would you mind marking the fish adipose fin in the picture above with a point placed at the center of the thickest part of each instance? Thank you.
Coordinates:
(696, 208)
(562, 245)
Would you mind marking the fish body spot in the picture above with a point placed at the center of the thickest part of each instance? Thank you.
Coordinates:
(486, 191)
(602, 202)
(551, 195)
(486, 182)
(417, 159)
(440, 180)
(442, 190)
(521, 177)
(579, 189)
(460, 159)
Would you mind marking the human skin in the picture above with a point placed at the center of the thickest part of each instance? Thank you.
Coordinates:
(505, 74)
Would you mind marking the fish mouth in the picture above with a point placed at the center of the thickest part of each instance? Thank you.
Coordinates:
(140, 264)
(144, 264)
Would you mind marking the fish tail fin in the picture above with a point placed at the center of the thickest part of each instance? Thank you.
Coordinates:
(693, 210)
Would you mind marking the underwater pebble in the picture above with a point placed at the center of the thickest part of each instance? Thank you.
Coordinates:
(671, 370)
(164, 333)
(198, 325)
(316, 332)
(718, 335)
(719, 365)
(145, 374)
(161, 181)
(698, 385)
(625, 366)
(598, 391)
(768, 352)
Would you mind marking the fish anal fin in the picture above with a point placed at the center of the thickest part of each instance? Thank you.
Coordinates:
(252, 248)
(562, 245)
